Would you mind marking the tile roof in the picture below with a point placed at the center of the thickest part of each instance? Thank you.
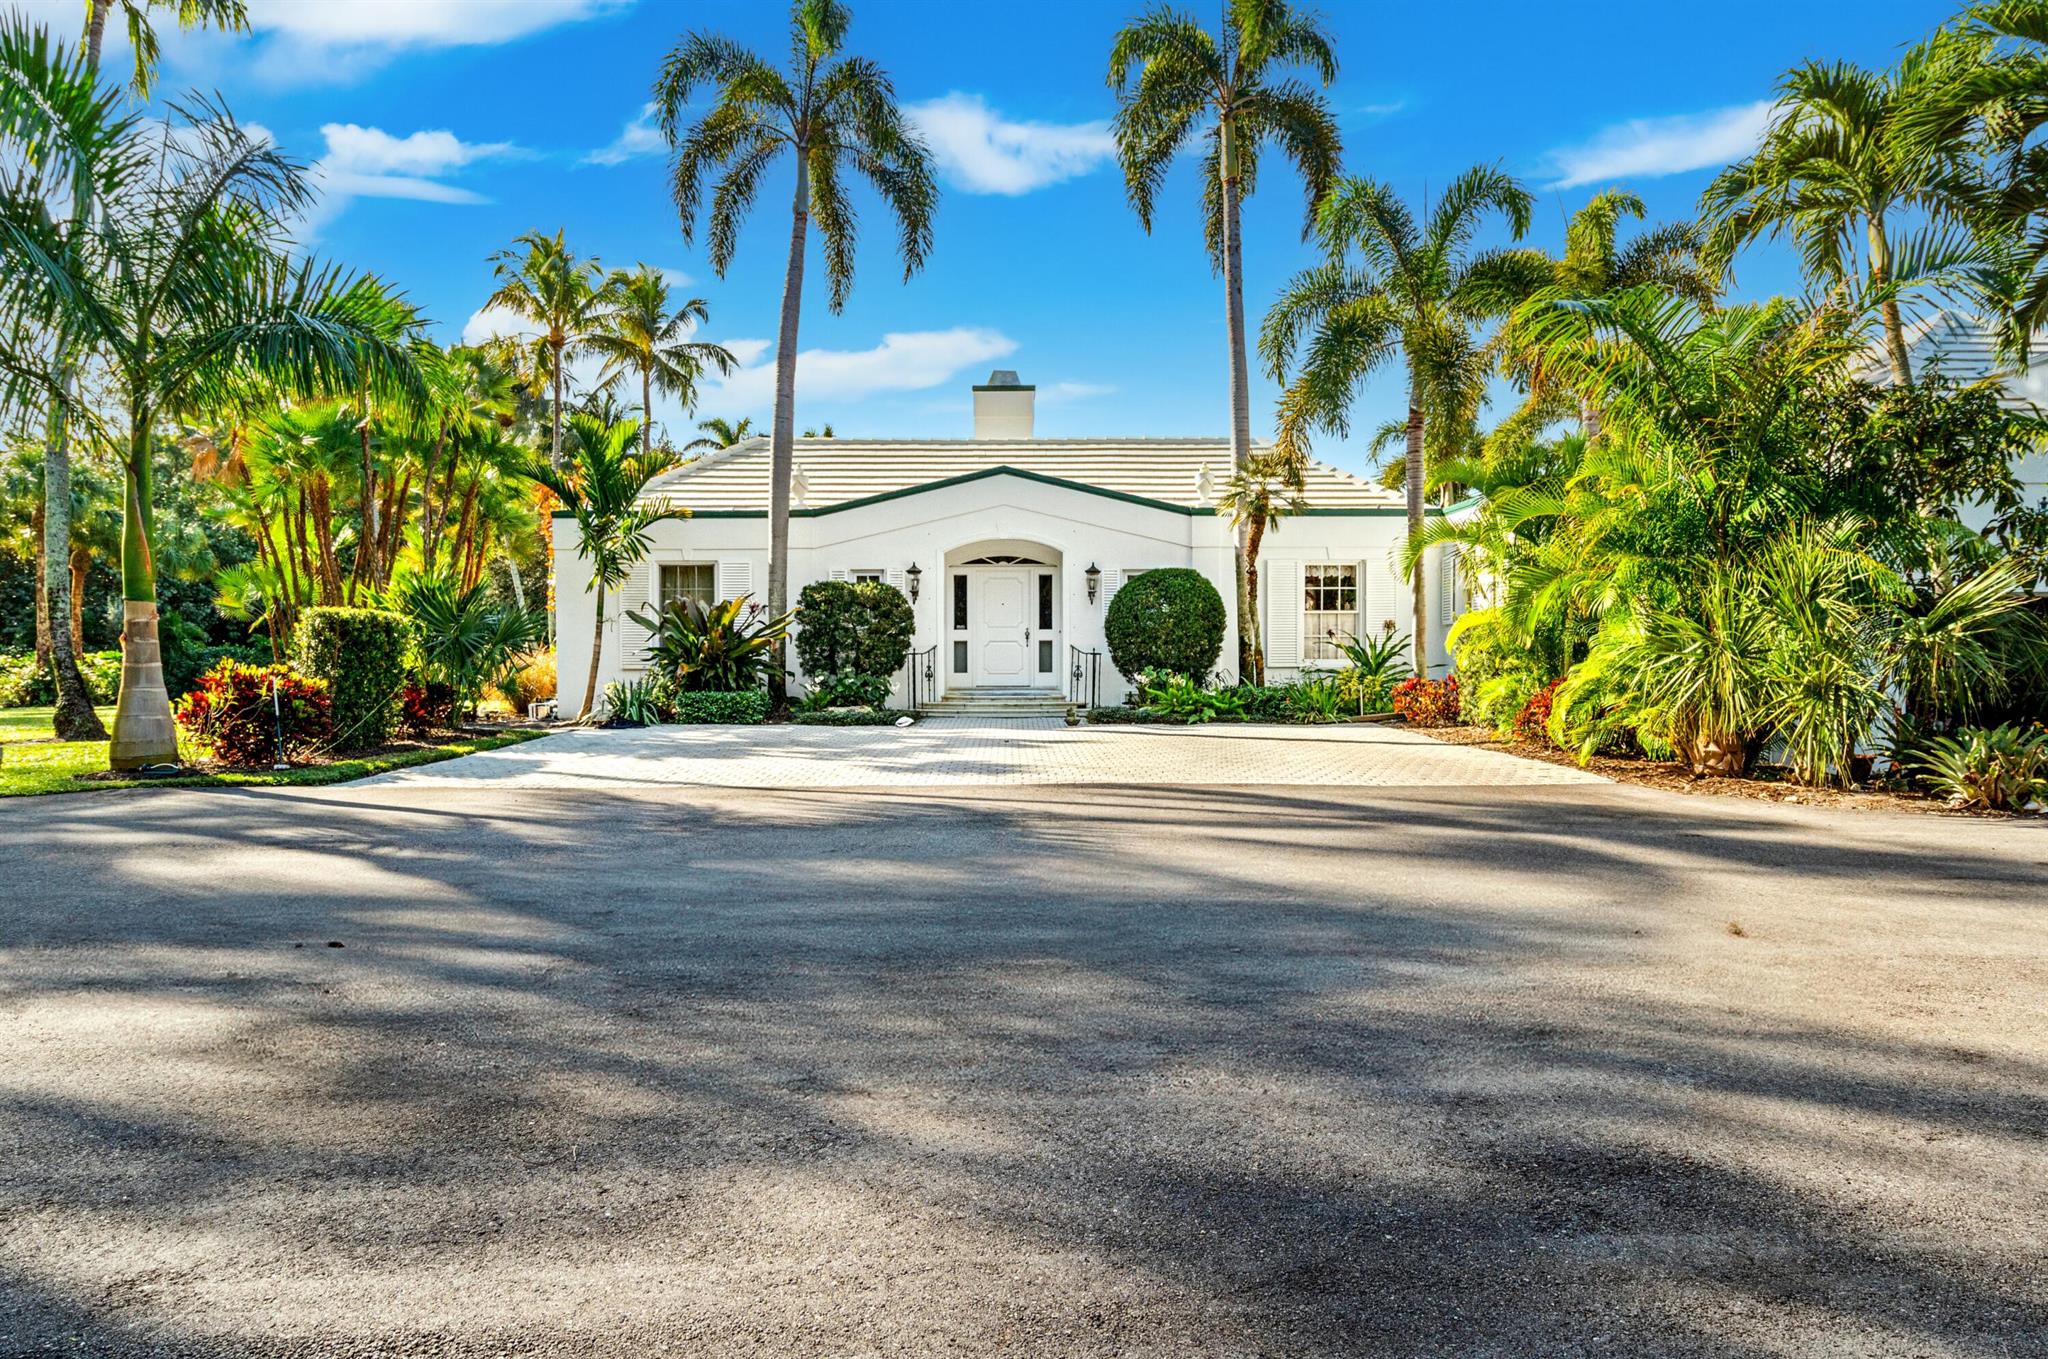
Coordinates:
(1964, 348)
(833, 471)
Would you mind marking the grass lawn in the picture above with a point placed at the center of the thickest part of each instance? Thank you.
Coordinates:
(47, 766)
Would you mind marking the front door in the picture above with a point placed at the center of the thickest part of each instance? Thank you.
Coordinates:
(1002, 626)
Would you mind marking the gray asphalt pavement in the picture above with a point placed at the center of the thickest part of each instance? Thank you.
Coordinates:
(1138, 1071)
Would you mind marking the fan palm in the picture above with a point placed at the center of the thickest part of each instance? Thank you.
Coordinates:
(1232, 91)
(544, 284)
(601, 484)
(1417, 287)
(1256, 498)
(177, 280)
(720, 433)
(641, 335)
(834, 115)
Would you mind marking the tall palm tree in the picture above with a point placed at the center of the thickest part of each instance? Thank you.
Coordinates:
(720, 433)
(230, 16)
(1417, 287)
(834, 115)
(641, 335)
(1846, 157)
(1232, 91)
(1256, 498)
(177, 279)
(544, 284)
(600, 485)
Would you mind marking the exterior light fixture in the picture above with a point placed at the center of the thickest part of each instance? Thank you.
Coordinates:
(913, 575)
(1094, 575)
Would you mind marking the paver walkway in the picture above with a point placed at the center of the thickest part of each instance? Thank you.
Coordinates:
(963, 751)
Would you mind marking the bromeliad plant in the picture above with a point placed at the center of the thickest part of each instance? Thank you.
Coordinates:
(724, 647)
(1377, 664)
(2004, 769)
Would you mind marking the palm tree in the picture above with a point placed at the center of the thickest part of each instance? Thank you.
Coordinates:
(1231, 91)
(1418, 288)
(641, 335)
(230, 16)
(177, 279)
(833, 116)
(547, 286)
(720, 433)
(1257, 497)
(1846, 156)
(600, 485)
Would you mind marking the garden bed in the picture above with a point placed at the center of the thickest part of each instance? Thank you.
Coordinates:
(1126, 715)
(1767, 785)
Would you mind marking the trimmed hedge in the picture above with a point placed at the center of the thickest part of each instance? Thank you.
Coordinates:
(859, 626)
(742, 706)
(1170, 619)
(361, 655)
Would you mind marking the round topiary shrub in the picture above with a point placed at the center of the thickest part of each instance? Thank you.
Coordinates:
(860, 627)
(361, 655)
(1170, 619)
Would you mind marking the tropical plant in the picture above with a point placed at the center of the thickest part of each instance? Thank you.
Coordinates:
(1377, 663)
(2004, 769)
(836, 117)
(1175, 81)
(728, 646)
(642, 336)
(602, 484)
(251, 715)
(543, 283)
(642, 701)
(1416, 287)
(1427, 702)
(1259, 494)
(863, 627)
(464, 638)
(719, 433)
(229, 16)
(845, 689)
(1176, 697)
(1317, 698)
(173, 273)
(1170, 619)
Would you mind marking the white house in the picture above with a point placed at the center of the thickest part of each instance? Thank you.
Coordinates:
(1010, 549)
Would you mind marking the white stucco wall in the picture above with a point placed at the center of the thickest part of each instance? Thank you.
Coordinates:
(1084, 528)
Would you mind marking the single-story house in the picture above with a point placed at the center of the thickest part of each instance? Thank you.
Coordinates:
(1010, 549)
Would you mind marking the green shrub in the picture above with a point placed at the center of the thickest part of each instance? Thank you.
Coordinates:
(847, 689)
(1317, 698)
(1176, 698)
(232, 713)
(725, 647)
(646, 701)
(851, 717)
(858, 627)
(1170, 619)
(1499, 700)
(1117, 715)
(22, 685)
(361, 654)
(2002, 769)
(742, 706)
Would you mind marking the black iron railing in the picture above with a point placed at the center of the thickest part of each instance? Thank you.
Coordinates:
(922, 669)
(1084, 677)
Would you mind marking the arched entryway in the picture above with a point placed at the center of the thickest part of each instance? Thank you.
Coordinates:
(1004, 616)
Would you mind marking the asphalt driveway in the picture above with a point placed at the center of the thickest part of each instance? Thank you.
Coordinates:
(1136, 1070)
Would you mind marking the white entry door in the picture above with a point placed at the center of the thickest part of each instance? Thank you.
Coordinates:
(1002, 626)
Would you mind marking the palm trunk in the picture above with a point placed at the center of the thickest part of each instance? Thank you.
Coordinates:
(367, 532)
(1255, 533)
(596, 655)
(1248, 641)
(81, 564)
(1888, 310)
(647, 411)
(1414, 479)
(75, 719)
(38, 527)
(427, 543)
(555, 411)
(95, 31)
(783, 444)
(143, 730)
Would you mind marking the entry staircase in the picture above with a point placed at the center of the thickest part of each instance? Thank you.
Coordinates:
(999, 702)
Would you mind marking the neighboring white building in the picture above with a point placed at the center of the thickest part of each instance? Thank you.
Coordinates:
(1011, 548)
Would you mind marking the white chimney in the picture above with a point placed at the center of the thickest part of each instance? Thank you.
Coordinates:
(1002, 407)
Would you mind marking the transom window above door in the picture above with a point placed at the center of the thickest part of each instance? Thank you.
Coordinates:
(689, 580)
(1329, 608)
(1004, 561)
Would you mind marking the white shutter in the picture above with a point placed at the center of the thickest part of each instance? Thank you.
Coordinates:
(639, 593)
(1283, 614)
(1382, 596)
(839, 573)
(735, 578)
(896, 579)
(1447, 587)
(1112, 581)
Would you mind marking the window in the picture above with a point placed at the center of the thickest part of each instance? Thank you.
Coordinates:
(1329, 606)
(960, 605)
(959, 658)
(692, 580)
(1045, 655)
(868, 577)
(1045, 603)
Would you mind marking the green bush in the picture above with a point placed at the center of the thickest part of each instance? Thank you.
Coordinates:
(361, 654)
(1170, 619)
(726, 647)
(1119, 715)
(24, 686)
(1498, 701)
(846, 689)
(1176, 698)
(851, 717)
(740, 706)
(646, 701)
(862, 627)
(2002, 770)
(241, 713)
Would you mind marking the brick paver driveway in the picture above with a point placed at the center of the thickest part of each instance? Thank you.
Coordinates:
(963, 753)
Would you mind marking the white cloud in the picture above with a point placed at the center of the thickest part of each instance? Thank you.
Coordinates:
(983, 152)
(1646, 148)
(640, 137)
(419, 23)
(496, 323)
(904, 361)
(1062, 393)
(368, 162)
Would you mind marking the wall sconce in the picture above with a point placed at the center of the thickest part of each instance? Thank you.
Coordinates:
(913, 575)
(1094, 575)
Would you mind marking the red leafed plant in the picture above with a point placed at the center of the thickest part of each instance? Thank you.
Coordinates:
(1427, 702)
(1533, 722)
(231, 714)
(429, 706)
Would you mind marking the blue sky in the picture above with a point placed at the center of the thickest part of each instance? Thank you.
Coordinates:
(442, 128)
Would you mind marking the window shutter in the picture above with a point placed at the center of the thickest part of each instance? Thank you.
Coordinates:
(896, 579)
(1382, 596)
(735, 578)
(639, 593)
(1112, 581)
(839, 573)
(1284, 604)
(1447, 588)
